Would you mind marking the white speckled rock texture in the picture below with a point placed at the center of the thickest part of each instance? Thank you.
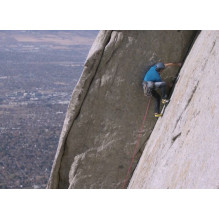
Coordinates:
(108, 105)
(183, 149)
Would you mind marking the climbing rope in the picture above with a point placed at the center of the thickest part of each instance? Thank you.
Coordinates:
(137, 144)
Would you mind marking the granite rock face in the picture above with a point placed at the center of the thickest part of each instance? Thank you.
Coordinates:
(108, 105)
(183, 149)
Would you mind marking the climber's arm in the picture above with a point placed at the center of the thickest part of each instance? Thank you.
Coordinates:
(173, 64)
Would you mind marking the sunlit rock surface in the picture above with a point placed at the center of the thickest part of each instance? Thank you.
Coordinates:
(183, 149)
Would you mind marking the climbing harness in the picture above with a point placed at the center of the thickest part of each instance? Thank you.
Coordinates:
(137, 144)
(148, 86)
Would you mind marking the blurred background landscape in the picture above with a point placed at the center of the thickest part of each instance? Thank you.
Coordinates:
(38, 71)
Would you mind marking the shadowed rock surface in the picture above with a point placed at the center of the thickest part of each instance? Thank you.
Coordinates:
(183, 151)
(108, 105)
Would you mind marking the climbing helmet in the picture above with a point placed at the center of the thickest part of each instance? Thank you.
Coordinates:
(159, 66)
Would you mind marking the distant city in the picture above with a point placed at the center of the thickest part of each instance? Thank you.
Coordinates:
(38, 72)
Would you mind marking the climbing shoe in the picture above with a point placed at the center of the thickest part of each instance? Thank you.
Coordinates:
(157, 115)
(164, 101)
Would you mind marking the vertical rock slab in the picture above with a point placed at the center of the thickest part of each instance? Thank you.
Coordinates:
(183, 149)
(107, 107)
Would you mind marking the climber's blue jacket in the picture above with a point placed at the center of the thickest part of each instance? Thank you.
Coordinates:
(152, 75)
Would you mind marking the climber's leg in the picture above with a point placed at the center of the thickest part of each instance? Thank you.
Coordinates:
(157, 98)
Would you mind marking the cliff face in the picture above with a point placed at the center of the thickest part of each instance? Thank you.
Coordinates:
(183, 149)
(108, 105)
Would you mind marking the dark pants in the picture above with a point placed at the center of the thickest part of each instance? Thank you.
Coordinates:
(155, 95)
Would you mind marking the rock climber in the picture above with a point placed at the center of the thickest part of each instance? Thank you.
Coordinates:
(153, 81)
